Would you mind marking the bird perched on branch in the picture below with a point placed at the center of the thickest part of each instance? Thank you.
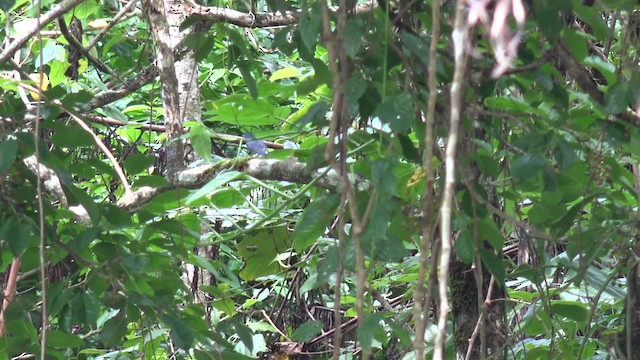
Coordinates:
(255, 145)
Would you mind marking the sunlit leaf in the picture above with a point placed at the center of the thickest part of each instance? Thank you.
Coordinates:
(201, 140)
(284, 73)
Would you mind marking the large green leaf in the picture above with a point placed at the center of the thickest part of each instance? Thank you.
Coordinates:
(260, 251)
(314, 221)
(397, 112)
(307, 331)
(573, 310)
(113, 331)
(201, 140)
(8, 153)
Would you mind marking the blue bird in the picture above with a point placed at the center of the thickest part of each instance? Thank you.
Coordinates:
(255, 145)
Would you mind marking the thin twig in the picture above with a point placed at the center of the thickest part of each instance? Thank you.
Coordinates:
(459, 37)
(266, 317)
(77, 43)
(419, 315)
(112, 23)
(43, 244)
(101, 145)
(481, 319)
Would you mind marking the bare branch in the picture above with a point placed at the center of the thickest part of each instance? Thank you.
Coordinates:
(263, 169)
(78, 45)
(144, 77)
(249, 20)
(460, 41)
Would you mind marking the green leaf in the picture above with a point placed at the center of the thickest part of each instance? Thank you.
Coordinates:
(61, 340)
(576, 43)
(464, 247)
(367, 328)
(409, 151)
(51, 51)
(528, 166)
(200, 137)
(397, 111)
(550, 22)
(284, 73)
(418, 46)
(573, 310)
(382, 175)
(607, 69)
(615, 99)
(242, 110)
(317, 160)
(181, 333)
(378, 242)
(57, 72)
(260, 252)
(18, 235)
(8, 154)
(245, 334)
(91, 307)
(314, 221)
(238, 40)
(113, 331)
(353, 36)
(218, 181)
(227, 306)
(137, 163)
(6, 5)
(314, 114)
(562, 225)
(85, 238)
(510, 103)
(310, 25)
(488, 230)
(354, 90)
(83, 10)
(248, 79)
(593, 17)
(494, 264)
(564, 155)
(72, 136)
(307, 331)
(192, 20)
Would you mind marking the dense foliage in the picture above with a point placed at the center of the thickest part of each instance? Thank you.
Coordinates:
(136, 223)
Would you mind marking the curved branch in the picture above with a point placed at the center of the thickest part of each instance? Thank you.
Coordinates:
(144, 77)
(55, 11)
(78, 45)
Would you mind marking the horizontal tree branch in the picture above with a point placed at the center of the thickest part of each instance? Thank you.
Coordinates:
(247, 19)
(290, 170)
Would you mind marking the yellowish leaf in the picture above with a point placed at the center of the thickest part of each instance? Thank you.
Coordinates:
(98, 24)
(289, 72)
(38, 82)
